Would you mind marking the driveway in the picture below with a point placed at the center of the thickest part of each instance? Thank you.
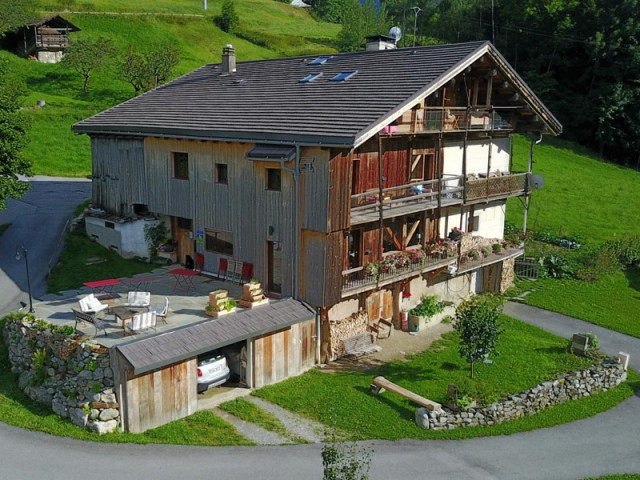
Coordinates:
(37, 224)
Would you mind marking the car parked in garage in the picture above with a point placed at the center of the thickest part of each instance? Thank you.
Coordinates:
(213, 370)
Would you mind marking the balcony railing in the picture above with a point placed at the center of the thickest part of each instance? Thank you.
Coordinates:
(406, 199)
(437, 119)
(365, 278)
(496, 186)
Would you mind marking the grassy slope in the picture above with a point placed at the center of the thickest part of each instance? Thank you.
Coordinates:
(54, 150)
(581, 195)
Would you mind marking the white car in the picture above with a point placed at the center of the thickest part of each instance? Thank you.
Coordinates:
(213, 370)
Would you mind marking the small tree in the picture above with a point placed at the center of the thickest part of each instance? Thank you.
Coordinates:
(228, 19)
(477, 322)
(85, 55)
(145, 71)
(343, 461)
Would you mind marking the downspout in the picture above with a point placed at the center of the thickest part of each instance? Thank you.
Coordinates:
(318, 336)
(295, 172)
(527, 196)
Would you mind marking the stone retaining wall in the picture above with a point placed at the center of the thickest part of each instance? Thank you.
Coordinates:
(79, 380)
(571, 386)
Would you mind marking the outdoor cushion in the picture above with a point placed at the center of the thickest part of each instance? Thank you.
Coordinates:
(90, 304)
(138, 299)
(142, 321)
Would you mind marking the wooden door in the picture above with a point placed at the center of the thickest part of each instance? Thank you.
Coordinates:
(183, 234)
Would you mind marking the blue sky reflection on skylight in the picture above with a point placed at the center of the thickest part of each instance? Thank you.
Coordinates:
(318, 61)
(311, 77)
(343, 76)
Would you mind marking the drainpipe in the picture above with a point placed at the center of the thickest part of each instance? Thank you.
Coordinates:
(318, 336)
(527, 196)
(295, 172)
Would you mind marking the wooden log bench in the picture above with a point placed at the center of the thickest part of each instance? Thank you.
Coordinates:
(380, 384)
(360, 344)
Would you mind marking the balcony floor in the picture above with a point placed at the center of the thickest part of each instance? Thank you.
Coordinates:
(403, 206)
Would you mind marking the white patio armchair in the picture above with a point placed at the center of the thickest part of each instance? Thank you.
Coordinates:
(161, 310)
(90, 304)
(141, 322)
(138, 299)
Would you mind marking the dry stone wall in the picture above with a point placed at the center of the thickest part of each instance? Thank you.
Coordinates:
(66, 372)
(571, 386)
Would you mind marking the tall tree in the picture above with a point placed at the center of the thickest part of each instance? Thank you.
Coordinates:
(86, 55)
(147, 70)
(228, 19)
(14, 127)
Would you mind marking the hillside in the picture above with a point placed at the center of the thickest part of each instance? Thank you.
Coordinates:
(54, 150)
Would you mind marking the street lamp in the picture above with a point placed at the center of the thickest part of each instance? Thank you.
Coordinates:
(416, 10)
(26, 262)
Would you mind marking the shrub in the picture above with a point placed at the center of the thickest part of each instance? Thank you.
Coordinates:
(428, 306)
(39, 367)
(228, 19)
(555, 266)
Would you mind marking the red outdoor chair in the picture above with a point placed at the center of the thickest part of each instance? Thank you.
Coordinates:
(247, 272)
(199, 262)
(222, 269)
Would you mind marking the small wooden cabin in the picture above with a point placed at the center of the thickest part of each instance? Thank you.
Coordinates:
(44, 40)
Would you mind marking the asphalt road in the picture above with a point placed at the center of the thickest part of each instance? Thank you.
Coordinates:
(37, 224)
(606, 443)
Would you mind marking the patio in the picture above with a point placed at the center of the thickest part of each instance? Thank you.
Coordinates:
(185, 307)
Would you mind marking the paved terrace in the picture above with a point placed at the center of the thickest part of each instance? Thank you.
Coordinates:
(185, 308)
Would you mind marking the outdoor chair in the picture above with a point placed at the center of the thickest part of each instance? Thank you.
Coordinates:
(199, 262)
(138, 299)
(90, 318)
(161, 311)
(141, 322)
(247, 272)
(90, 304)
(222, 269)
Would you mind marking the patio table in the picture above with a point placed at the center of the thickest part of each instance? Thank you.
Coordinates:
(125, 313)
(103, 287)
(184, 278)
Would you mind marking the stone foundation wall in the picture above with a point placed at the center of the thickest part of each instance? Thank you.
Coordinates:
(571, 386)
(78, 379)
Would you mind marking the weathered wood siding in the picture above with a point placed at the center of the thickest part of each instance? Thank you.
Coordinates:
(339, 191)
(314, 189)
(313, 266)
(283, 354)
(159, 397)
(118, 173)
(336, 245)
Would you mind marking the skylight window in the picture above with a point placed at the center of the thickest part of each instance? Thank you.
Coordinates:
(342, 76)
(318, 61)
(310, 78)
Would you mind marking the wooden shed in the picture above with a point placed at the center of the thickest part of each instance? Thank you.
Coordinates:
(155, 377)
(45, 40)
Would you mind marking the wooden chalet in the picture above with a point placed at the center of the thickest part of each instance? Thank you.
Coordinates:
(339, 177)
(44, 40)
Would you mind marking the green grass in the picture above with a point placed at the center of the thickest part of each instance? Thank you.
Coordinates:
(612, 301)
(273, 29)
(624, 476)
(249, 412)
(73, 269)
(582, 195)
(534, 354)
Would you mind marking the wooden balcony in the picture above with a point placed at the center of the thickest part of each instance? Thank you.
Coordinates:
(406, 199)
(431, 194)
(453, 119)
(360, 279)
(509, 185)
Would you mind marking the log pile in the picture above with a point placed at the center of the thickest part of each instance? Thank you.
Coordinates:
(340, 330)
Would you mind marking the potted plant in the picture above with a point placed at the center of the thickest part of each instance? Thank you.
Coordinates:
(496, 247)
(421, 314)
(455, 234)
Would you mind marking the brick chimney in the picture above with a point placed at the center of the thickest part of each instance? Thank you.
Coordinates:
(228, 60)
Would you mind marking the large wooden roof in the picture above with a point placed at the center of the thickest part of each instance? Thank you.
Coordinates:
(265, 101)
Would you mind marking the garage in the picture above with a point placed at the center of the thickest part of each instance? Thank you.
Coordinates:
(156, 378)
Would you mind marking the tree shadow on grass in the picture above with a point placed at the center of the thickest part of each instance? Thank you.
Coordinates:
(633, 277)
(403, 412)
(555, 350)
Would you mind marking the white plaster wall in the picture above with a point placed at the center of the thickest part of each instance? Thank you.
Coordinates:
(490, 222)
(126, 238)
(454, 289)
(343, 309)
(477, 156)
(49, 57)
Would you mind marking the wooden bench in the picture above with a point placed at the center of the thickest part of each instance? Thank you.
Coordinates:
(360, 344)
(380, 384)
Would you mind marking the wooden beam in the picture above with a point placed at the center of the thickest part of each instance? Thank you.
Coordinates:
(380, 383)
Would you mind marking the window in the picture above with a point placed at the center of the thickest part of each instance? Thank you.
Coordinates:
(273, 179)
(311, 77)
(319, 61)
(181, 165)
(221, 173)
(342, 76)
(184, 223)
(218, 242)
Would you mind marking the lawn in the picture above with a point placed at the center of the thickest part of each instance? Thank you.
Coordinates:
(582, 195)
(534, 354)
(83, 260)
(612, 301)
